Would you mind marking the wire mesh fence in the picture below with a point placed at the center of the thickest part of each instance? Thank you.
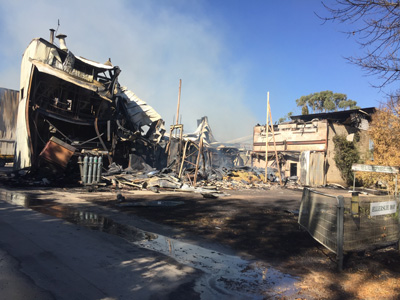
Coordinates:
(350, 224)
(374, 224)
(322, 216)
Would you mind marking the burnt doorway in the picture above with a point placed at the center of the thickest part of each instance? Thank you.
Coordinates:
(293, 169)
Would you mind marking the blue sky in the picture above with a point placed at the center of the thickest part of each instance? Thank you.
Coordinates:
(228, 53)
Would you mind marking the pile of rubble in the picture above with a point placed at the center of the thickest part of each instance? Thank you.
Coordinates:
(210, 185)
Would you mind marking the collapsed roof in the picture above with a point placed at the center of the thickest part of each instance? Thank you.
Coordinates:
(339, 116)
(81, 103)
(203, 130)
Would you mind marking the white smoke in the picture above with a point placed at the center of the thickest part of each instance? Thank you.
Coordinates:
(155, 43)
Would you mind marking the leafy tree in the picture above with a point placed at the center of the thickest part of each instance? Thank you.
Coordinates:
(375, 26)
(385, 133)
(346, 154)
(285, 118)
(325, 101)
(304, 110)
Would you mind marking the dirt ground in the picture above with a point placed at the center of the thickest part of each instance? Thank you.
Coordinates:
(263, 224)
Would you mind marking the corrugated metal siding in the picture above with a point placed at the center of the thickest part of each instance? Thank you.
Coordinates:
(317, 169)
(312, 168)
(304, 167)
(8, 121)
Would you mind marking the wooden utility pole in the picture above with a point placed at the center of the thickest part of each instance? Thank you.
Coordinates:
(176, 131)
(266, 140)
(179, 102)
(269, 120)
(276, 152)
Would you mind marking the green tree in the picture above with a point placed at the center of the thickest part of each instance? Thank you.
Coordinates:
(304, 110)
(285, 118)
(384, 131)
(346, 154)
(325, 101)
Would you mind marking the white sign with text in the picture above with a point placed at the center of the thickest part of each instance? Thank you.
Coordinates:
(383, 208)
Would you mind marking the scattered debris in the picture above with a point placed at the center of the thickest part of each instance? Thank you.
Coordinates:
(76, 124)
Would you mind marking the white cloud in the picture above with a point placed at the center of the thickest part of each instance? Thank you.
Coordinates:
(155, 43)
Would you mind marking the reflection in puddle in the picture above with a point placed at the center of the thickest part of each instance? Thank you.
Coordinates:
(80, 217)
(225, 275)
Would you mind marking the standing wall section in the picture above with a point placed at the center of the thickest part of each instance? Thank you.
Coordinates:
(8, 121)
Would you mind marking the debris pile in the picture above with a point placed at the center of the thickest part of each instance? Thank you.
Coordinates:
(77, 124)
(211, 187)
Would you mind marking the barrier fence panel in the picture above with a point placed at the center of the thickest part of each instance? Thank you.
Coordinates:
(375, 225)
(350, 224)
(322, 216)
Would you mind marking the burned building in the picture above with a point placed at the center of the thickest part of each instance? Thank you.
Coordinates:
(70, 106)
(305, 145)
(199, 153)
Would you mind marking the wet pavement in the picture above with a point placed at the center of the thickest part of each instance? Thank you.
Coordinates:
(224, 275)
(63, 261)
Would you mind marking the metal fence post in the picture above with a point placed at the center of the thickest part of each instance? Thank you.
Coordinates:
(398, 217)
(340, 231)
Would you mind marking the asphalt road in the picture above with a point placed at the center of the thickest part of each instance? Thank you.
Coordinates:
(42, 257)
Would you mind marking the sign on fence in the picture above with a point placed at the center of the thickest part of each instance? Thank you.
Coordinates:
(383, 208)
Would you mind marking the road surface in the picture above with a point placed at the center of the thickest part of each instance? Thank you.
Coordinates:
(43, 257)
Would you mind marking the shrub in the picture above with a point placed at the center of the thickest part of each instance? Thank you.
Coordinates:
(346, 154)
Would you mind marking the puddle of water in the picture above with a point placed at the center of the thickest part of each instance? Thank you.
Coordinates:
(79, 217)
(225, 275)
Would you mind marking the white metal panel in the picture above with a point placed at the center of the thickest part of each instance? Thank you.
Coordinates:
(140, 113)
(22, 155)
(305, 168)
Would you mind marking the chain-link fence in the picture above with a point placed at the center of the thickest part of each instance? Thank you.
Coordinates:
(350, 224)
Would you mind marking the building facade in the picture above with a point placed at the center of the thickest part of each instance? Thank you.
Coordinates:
(305, 146)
